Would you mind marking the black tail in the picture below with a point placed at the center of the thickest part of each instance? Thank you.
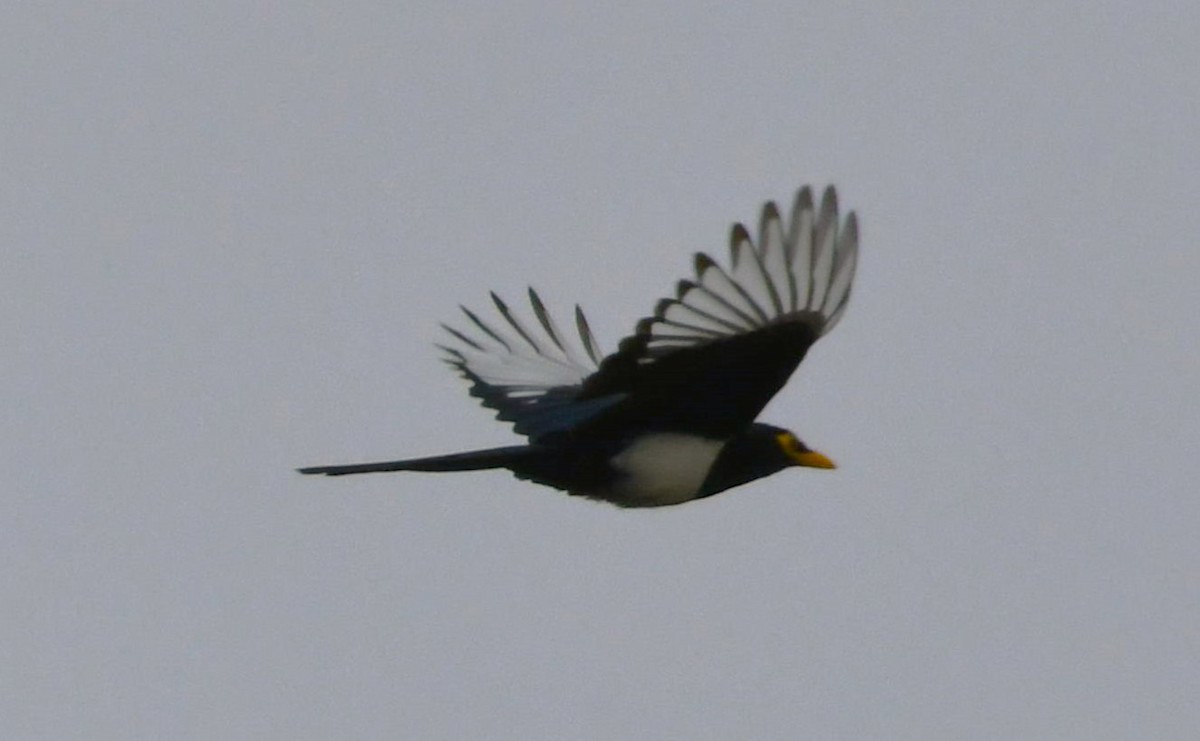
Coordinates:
(472, 460)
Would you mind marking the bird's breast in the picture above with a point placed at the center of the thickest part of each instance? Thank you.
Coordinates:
(664, 468)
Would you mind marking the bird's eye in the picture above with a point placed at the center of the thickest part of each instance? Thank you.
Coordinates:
(788, 443)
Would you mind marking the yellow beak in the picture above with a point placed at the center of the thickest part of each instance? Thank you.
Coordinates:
(796, 452)
(813, 459)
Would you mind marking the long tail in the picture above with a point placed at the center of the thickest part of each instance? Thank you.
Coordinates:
(472, 460)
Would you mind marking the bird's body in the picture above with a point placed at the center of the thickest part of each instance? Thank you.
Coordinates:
(659, 468)
(669, 417)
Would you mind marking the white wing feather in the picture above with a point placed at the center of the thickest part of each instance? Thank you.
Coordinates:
(530, 375)
(802, 271)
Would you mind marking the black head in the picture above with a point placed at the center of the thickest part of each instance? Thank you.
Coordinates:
(760, 451)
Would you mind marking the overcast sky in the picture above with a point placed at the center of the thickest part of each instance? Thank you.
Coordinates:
(230, 230)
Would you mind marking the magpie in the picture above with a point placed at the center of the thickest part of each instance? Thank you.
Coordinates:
(668, 417)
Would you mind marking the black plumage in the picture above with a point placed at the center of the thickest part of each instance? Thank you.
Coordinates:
(669, 417)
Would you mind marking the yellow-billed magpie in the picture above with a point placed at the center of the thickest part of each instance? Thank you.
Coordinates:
(669, 417)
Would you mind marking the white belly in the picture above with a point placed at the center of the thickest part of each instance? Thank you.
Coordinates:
(665, 467)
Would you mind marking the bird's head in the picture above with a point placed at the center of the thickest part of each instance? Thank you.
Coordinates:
(760, 450)
(785, 449)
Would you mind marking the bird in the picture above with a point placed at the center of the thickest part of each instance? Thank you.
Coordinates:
(669, 417)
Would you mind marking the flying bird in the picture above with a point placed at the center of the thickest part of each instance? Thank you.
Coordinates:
(668, 417)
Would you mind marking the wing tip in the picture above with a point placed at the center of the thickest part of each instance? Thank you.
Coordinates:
(770, 213)
(812, 235)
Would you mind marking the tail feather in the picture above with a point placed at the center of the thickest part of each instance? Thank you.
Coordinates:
(472, 460)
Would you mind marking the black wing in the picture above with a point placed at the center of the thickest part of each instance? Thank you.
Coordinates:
(711, 358)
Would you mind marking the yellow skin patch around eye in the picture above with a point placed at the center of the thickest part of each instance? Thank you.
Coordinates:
(797, 454)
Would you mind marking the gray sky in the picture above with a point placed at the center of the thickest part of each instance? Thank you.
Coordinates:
(230, 230)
